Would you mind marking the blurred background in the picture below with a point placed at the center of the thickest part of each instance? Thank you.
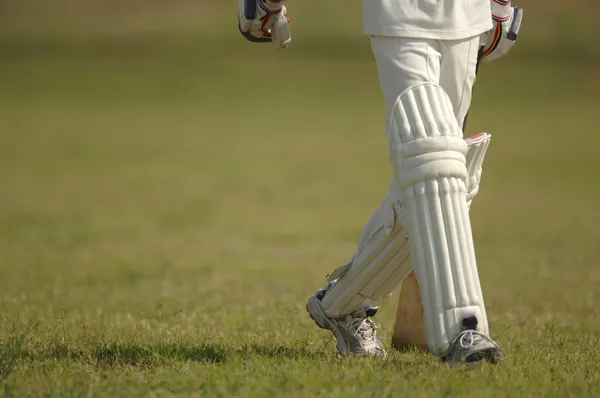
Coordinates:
(147, 145)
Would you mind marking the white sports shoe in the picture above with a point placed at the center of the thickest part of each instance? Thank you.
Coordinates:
(355, 333)
(471, 347)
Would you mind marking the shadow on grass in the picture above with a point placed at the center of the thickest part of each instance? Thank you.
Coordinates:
(133, 353)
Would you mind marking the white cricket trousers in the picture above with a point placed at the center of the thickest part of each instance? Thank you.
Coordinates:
(405, 62)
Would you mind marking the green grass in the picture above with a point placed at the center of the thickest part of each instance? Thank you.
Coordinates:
(159, 235)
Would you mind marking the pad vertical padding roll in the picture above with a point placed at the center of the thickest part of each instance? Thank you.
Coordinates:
(428, 155)
(378, 267)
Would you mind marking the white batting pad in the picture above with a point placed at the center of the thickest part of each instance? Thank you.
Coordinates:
(428, 155)
(380, 264)
(389, 269)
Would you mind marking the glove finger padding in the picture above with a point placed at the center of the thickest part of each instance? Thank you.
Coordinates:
(496, 44)
(281, 35)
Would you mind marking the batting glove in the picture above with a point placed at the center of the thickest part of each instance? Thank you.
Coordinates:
(265, 21)
(498, 41)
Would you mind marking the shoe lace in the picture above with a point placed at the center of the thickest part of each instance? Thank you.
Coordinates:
(363, 326)
(466, 338)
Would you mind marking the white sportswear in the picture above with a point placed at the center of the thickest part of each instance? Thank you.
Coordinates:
(427, 19)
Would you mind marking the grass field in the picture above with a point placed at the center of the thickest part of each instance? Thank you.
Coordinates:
(159, 235)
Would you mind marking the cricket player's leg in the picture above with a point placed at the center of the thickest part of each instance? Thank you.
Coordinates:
(409, 328)
(354, 290)
(345, 305)
(457, 77)
(429, 159)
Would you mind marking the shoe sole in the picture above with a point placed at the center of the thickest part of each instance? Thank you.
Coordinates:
(490, 355)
